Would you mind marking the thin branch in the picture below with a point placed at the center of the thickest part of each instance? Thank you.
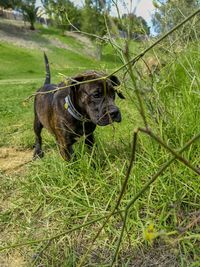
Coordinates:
(66, 86)
(136, 58)
(58, 235)
(132, 160)
(162, 143)
(145, 187)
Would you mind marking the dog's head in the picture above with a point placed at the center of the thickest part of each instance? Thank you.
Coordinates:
(96, 99)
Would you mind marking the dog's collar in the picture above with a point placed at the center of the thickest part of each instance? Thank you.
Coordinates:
(71, 109)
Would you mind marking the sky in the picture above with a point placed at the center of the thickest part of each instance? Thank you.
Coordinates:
(143, 8)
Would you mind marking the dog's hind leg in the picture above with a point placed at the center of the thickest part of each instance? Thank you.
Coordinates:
(38, 139)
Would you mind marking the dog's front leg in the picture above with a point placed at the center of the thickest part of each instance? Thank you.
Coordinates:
(89, 140)
(66, 151)
(65, 146)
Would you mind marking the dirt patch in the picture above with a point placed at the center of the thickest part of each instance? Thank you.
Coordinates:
(56, 42)
(13, 260)
(80, 37)
(13, 159)
(88, 46)
(158, 255)
(20, 35)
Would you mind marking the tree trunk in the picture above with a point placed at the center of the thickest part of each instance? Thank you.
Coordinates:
(32, 27)
(98, 51)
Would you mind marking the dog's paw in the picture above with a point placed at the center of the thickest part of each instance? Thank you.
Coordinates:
(38, 154)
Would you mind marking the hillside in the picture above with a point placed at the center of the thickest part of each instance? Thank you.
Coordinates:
(22, 52)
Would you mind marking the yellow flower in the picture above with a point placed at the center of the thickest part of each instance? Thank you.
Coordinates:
(150, 233)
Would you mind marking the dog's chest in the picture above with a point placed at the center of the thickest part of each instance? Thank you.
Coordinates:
(84, 129)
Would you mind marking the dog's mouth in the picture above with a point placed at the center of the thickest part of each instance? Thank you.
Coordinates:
(109, 118)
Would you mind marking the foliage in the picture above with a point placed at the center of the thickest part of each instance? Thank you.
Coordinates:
(27, 7)
(93, 22)
(171, 12)
(29, 11)
(92, 19)
(101, 4)
(8, 3)
(61, 12)
(132, 25)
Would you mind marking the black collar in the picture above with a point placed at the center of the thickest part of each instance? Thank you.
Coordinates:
(72, 110)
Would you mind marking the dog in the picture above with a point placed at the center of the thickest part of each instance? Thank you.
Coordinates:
(72, 110)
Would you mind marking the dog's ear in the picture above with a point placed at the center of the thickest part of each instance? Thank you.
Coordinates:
(116, 82)
(120, 95)
(74, 87)
(75, 80)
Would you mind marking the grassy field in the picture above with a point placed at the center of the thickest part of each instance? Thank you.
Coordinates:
(44, 198)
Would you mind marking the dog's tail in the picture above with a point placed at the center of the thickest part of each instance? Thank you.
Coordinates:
(48, 75)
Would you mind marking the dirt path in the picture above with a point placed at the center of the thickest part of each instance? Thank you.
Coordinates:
(13, 159)
(16, 32)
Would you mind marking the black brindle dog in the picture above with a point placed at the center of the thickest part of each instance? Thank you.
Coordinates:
(75, 109)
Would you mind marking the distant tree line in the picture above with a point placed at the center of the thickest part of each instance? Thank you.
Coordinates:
(26, 7)
(170, 12)
(89, 18)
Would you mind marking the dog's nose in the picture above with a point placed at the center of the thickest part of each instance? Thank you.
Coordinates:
(115, 114)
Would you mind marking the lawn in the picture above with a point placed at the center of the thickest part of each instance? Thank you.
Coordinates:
(50, 197)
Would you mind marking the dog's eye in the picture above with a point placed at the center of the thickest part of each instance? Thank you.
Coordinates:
(113, 94)
(97, 95)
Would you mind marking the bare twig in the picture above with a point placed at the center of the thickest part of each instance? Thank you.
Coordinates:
(162, 143)
(58, 235)
(119, 199)
(145, 187)
(136, 58)
(132, 160)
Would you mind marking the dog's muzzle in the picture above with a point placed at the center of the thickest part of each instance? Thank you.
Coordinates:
(110, 116)
(115, 114)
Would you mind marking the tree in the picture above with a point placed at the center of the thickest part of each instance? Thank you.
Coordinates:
(93, 22)
(27, 7)
(171, 12)
(9, 3)
(62, 12)
(102, 5)
(29, 11)
(132, 26)
(92, 18)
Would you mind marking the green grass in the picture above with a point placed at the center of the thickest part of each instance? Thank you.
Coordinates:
(49, 196)
(25, 63)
